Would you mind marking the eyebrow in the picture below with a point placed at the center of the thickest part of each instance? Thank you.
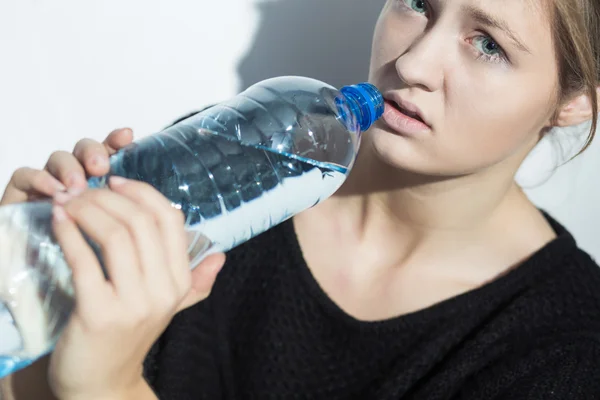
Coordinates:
(488, 20)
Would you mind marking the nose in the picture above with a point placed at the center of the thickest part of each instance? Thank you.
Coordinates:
(422, 64)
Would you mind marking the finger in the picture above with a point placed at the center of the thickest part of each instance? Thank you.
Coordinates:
(93, 156)
(113, 238)
(146, 238)
(26, 182)
(118, 139)
(170, 222)
(65, 167)
(88, 279)
(203, 279)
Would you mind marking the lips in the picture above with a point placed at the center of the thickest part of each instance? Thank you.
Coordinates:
(413, 114)
(405, 118)
(407, 108)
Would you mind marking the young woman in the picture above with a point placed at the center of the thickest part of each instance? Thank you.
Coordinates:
(429, 275)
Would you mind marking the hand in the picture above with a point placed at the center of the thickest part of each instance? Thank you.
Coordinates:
(66, 171)
(115, 321)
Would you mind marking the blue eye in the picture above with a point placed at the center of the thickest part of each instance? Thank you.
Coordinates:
(419, 6)
(486, 45)
(489, 49)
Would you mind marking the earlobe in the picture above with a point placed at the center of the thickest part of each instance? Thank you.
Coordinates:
(578, 110)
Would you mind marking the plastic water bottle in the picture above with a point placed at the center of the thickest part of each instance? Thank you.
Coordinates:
(235, 170)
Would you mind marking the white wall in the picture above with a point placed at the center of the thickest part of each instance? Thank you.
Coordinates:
(71, 69)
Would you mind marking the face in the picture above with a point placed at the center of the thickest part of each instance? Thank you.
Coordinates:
(481, 74)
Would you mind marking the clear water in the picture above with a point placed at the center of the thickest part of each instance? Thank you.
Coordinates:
(229, 193)
(235, 170)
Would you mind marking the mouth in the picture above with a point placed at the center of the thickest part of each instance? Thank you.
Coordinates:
(412, 114)
(404, 117)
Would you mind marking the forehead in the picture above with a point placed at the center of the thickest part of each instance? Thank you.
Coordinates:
(529, 12)
(531, 20)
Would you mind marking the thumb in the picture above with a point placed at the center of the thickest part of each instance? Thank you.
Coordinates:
(203, 279)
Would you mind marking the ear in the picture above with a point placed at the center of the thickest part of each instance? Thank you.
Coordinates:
(575, 111)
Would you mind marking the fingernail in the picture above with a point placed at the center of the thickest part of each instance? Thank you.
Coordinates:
(117, 181)
(100, 161)
(75, 191)
(59, 214)
(61, 197)
(60, 187)
(74, 179)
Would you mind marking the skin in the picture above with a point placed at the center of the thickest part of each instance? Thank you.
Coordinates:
(425, 217)
(420, 219)
(145, 248)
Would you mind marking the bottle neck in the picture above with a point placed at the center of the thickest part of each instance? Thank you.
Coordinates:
(366, 102)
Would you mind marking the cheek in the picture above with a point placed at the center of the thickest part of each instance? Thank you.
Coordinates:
(495, 120)
(382, 50)
(393, 34)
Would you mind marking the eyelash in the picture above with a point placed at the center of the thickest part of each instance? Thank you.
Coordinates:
(498, 58)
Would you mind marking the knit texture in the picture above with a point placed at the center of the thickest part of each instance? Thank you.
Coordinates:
(268, 331)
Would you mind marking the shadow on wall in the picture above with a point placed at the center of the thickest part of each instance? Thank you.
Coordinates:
(328, 40)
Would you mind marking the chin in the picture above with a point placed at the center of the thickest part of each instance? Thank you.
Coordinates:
(398, 152)
(415, 156)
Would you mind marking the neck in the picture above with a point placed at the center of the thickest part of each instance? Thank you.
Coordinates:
(379, 200)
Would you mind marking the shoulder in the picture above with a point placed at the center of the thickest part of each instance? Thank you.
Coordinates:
(561, 300)
(570, 295)
(568, 368)
(547, 339)
(564, 287)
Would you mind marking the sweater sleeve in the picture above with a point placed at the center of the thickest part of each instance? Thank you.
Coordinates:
(568, 371)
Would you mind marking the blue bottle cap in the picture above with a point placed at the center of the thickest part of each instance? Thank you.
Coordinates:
(370, 101)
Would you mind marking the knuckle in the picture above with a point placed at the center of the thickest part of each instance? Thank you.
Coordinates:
(39, 178)
(94, 198)
(171, 303)
(141, 222)
(85, 149)
(18, 173)
(87, 199)
(60, 164)
(56, 157)
(139, 312)
(76, 206)
(115, 237)
(175, 216)
(167, 299)
(167, 304)
(122, 316)
(55, 154)
(84, 145)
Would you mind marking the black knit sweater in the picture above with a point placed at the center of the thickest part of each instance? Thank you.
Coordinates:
(268, 331)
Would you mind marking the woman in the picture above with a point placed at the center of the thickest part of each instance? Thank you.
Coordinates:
(429, 275)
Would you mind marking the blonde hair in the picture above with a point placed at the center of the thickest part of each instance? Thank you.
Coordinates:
(576, 33)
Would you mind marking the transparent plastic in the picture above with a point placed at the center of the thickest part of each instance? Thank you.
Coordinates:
(235, 170)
